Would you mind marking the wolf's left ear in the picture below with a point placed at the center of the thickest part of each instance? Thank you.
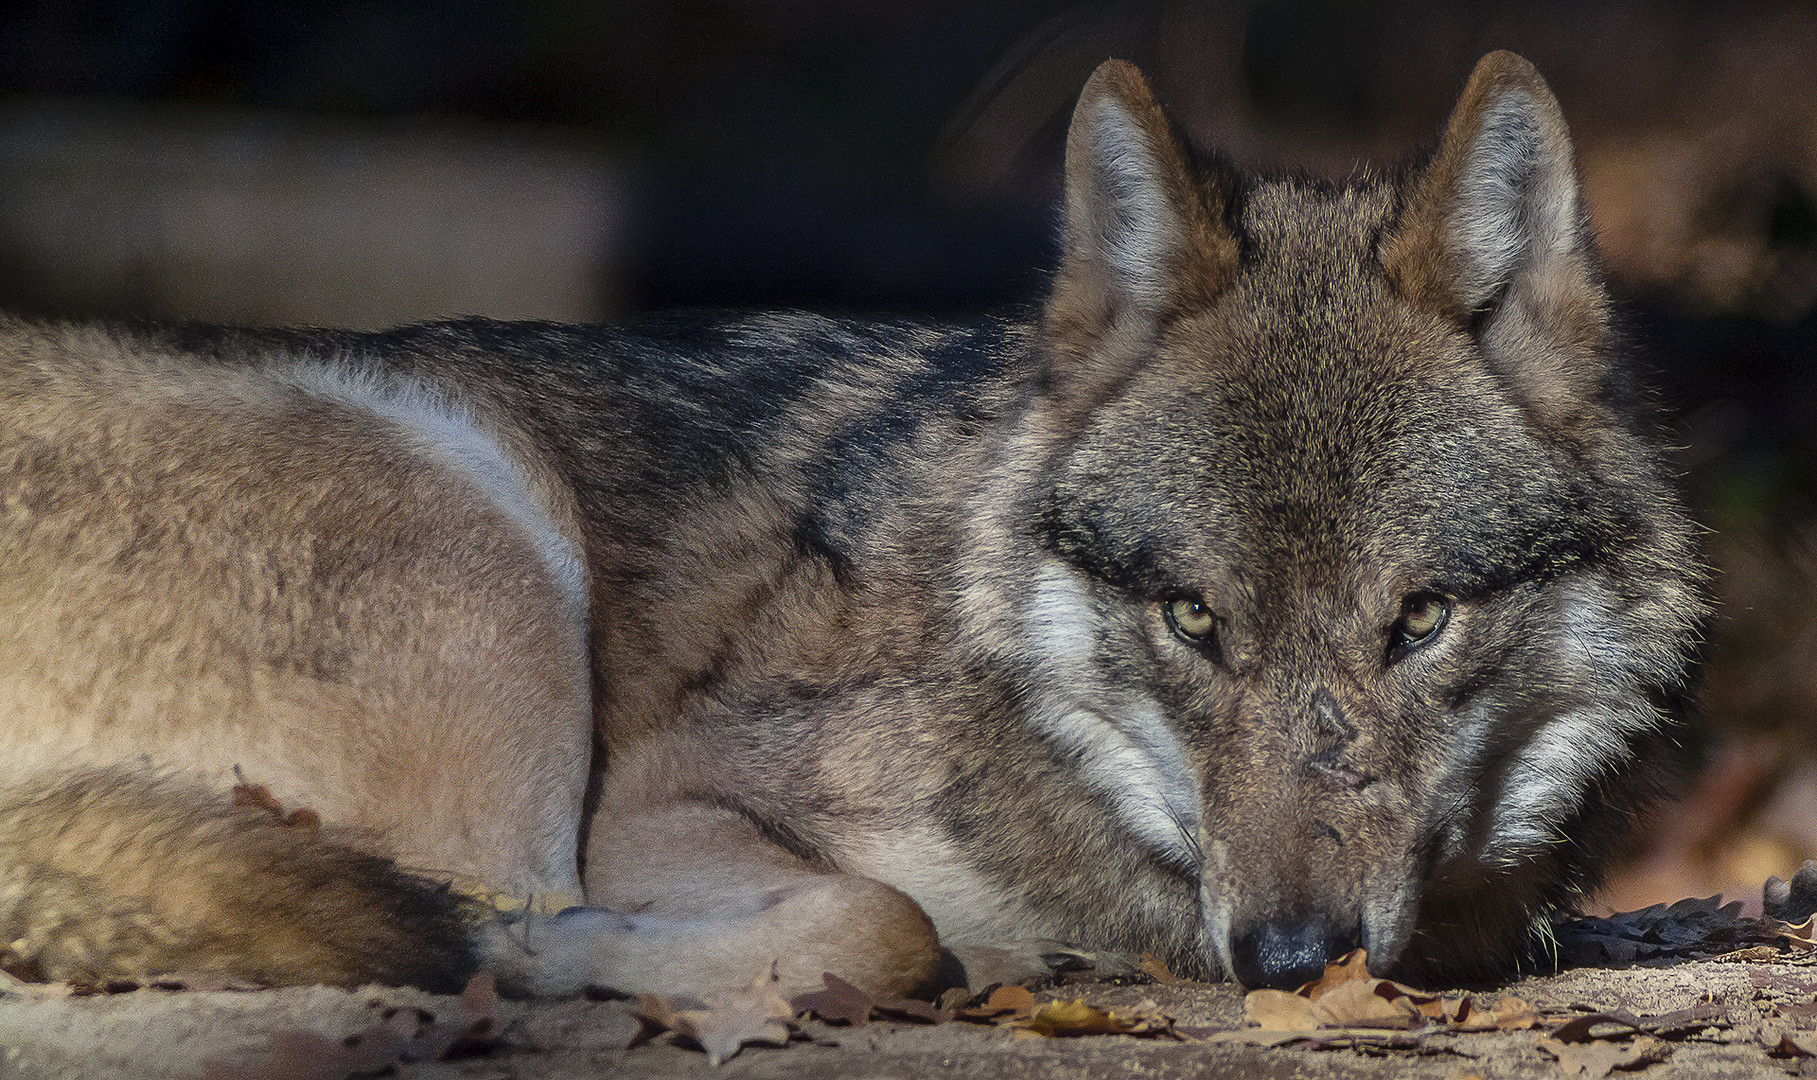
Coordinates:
(1145, 229)
(1493, 235)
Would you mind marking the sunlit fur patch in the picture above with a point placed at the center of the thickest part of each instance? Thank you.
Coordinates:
(452, 434)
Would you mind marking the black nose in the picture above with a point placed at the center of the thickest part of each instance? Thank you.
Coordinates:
(1288, 953)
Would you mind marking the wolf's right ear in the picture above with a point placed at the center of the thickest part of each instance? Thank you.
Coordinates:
(1493, 236)
(1145, 226)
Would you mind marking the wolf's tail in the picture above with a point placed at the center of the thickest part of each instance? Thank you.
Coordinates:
(120, 876)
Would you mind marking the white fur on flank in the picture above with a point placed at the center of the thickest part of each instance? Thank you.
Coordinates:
(1546, 781)
(452, 434)
(1145, 230)
(1122, 742)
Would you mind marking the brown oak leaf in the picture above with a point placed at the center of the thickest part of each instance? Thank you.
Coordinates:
(729, 1022)
(839, 1003)
(1596, 1059)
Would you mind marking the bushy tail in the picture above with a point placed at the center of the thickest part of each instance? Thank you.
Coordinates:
(120, 876)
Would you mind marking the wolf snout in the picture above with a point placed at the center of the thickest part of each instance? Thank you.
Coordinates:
(1286, 953)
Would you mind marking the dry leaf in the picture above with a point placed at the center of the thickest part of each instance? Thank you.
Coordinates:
(1371, 1003)
(1350, 967)
(954, 999)
(1753, 954)
(305, 1055)
(1278, 1010)
(1075, 1018)
(756, 1014)
(1156, 968)
(1315, 1038)
(1791, 1044)
(259, 797)
(1346, 1006)
(1509, 1014)
(255, 797)
(1689, 929)
(911, 1009)
(1596, 1059)
(839, 1003)
(1012, 1001)
(1583, 1029)
(1792, 900)
(468, 1021)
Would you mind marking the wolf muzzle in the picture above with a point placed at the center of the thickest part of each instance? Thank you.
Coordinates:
(1287, 953)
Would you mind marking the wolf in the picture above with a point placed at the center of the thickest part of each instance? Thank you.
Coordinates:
(1306, 574)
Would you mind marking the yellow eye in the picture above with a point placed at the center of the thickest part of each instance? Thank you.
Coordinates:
(1422, 616)
(1191, 618)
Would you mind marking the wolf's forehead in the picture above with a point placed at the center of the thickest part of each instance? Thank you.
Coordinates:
(1313, 223)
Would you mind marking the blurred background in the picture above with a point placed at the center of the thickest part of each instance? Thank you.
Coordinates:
(364, 163)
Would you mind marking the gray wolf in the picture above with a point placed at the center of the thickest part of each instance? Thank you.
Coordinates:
(1306, 575)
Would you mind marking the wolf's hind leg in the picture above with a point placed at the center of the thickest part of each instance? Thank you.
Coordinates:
(695, 900)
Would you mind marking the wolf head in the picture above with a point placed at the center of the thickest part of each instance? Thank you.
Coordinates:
(1361, 590)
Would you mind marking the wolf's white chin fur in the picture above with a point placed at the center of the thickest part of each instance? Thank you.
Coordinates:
(1546, 781)
(1122, 742)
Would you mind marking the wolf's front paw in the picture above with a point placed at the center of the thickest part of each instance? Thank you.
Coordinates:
(988, 965)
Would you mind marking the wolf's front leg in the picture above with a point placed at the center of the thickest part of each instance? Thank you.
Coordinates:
(692, 899)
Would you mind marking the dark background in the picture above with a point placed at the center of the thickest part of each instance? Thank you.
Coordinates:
(367, 162)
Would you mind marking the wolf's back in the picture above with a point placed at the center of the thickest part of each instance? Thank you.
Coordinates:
(121, 876)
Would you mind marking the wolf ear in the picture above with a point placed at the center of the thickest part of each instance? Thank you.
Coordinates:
(1493, 235)
(1145, 229)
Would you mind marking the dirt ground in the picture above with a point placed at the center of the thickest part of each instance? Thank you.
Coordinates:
(1703, 1018)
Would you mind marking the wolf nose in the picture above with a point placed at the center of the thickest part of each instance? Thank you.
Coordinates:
(1287, 954)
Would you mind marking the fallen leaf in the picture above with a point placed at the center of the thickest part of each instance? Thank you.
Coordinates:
(1790, 1044)
(466, 1022)
(259, 797)
(1583, 1029)
(306, 1055)
(911, 1009)
(954, 999)
(1365, 1004)
(1792, 900)
(1689, 929)
(1072, 1018)
(1509, 1014)
(1596, 1059)
(839, 1003)
(1278, 1010)
(1314, 1038)
(756, 1014)
(1684, 1023)
(1013, 1001)
(1753, 954)
(1349, 968)
(1156, 968)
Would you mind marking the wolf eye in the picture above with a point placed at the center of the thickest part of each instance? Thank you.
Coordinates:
(1423, 615)
(1191, 619)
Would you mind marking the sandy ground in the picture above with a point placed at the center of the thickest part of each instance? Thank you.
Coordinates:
(1748, 1008)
